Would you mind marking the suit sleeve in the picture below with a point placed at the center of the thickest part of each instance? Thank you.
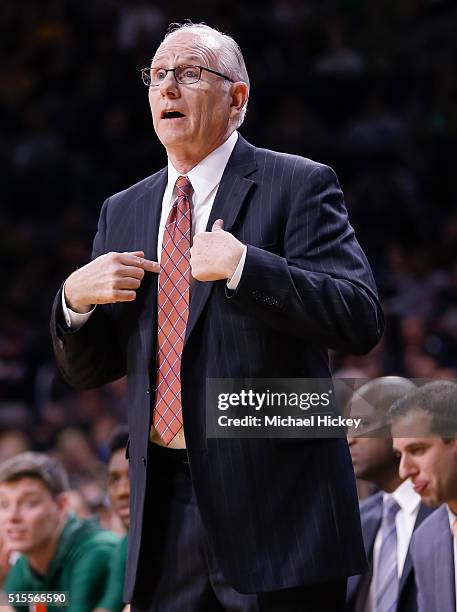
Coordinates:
(321, 288)
(90, 356)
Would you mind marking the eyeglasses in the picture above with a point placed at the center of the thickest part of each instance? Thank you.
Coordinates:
(185, 75)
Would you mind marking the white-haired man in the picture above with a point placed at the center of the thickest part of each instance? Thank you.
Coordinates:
(259, 275)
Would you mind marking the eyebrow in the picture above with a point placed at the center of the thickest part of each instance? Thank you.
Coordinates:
(412, 445)
(190, 60)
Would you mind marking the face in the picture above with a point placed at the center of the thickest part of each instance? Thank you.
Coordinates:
(119, 485)
(428, 460)
(372, 453)
(371, 457)
(29, 516)
(204, 107)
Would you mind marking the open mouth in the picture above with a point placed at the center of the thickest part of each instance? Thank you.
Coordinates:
(171, 114)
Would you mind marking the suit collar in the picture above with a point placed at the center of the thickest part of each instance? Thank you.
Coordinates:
(442, 558)
(371, 520)
(422, 514)
(371, 514)
(146, 228)
(230, 198)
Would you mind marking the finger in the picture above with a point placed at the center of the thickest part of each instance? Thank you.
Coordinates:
(123, 296)
(126, 282)
(130, 259)
(132, 272)
(150, 266)
(218, 225)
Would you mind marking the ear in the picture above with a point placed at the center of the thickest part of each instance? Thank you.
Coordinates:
(63, 503)
(239, 98)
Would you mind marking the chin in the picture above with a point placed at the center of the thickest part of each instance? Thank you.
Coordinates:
(21, 547)
(431, 500)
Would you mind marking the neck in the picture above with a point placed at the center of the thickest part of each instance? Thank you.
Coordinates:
(184, 158)
(453, 505)
(40, 559)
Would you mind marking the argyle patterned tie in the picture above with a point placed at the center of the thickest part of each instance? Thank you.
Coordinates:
(387, 575)
(173, 312)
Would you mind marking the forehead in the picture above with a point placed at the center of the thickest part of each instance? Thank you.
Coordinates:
(24, 486)
(404, 444)
(188, 47)
(118, 461)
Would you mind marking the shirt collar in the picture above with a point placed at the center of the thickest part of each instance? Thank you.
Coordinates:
(405, 496)
(206, 175)
(451, 515)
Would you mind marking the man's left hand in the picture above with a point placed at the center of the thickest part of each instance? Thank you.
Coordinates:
(215, 255)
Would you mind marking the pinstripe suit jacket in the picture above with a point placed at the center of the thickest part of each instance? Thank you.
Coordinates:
(277, 513)
(432, 550)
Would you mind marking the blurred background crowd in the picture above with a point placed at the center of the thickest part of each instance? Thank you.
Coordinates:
(366, 87)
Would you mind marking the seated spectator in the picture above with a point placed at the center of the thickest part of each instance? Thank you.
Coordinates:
(424, 430)
(12, 443)
(119, 496)
(58, 551)
(389, 516)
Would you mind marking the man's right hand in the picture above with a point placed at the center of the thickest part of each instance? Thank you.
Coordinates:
(113, 277)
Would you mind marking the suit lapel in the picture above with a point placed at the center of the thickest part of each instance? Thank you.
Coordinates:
(371, 525)
(424, 511)
(444, 563)
(371, 520)
(230, 198)
(147, 228)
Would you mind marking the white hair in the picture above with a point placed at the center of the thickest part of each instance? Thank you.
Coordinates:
(230, 60)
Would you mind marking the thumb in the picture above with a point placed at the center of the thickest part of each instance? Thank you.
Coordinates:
(218, 225)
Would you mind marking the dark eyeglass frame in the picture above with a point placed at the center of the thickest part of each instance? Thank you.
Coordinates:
(146, 77)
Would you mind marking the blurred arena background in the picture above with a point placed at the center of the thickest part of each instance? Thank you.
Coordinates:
(366, 87)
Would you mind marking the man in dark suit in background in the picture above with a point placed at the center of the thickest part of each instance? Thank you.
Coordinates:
(424, 430)
(375, 461)
(272, 279)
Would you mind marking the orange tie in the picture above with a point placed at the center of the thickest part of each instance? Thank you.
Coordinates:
(172, 313)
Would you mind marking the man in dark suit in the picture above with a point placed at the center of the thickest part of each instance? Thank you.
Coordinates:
(424, 430)
(277, 279)
(375, 461)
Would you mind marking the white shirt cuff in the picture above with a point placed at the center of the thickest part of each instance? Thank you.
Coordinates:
(74, 320)
(232, 283)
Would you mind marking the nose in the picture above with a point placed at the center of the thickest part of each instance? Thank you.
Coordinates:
(124, 487)
(169, 87)
(407, 467)
(351, 441)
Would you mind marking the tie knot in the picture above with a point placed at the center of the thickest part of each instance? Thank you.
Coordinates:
(390, 509)
(184, 187)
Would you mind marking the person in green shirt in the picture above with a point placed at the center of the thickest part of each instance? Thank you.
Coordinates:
(119, 496)
(58, 552)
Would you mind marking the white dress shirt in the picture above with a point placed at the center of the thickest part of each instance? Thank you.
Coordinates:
(205, 178)
(409, 502)
(452, 518)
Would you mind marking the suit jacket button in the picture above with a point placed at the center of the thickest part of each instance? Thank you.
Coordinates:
(143, 461)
